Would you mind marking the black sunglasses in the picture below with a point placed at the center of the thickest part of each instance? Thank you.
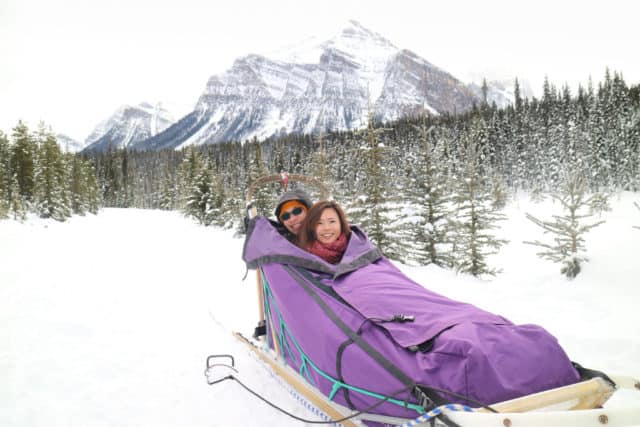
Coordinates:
(295, 212)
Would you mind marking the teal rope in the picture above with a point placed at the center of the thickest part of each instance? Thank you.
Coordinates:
(337, 384)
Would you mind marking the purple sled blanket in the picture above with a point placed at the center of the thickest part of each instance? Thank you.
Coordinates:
(336, 322)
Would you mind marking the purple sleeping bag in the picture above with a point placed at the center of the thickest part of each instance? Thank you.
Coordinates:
(361, 330)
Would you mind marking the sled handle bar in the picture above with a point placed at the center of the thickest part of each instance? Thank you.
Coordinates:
(220, 356)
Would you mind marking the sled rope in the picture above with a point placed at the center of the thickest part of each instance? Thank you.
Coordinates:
(437, 412)
(301, 399)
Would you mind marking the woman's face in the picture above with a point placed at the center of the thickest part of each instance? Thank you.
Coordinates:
(328, 228)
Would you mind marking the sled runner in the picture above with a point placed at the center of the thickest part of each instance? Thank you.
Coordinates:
(361, 339)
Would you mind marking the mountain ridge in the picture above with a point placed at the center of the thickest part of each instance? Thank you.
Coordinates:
(314, 86)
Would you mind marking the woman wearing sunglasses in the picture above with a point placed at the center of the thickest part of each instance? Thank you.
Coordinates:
(291, 211)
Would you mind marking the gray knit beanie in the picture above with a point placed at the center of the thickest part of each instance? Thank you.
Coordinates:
(297, 194)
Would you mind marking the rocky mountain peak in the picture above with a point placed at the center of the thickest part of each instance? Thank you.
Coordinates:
(307, 87)
(128, 125)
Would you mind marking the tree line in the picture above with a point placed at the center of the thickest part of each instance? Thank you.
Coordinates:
(427, 189)
(35, 176)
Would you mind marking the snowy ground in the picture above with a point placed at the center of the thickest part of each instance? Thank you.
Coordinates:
(107, 320)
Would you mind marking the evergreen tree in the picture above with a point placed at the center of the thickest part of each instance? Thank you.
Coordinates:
(430, 233)
(485, 92)
(373, 210)
(188, 171)
(84, 193)
(92, 195)
(517, 97)
(168, 194)
(111, 180)
(22, 161)
(17, 204)
(50, 181)
(4, 204)
(476, 214)
(264, 196)
(5, 175)
(125, 199)
(200, 201)
(219, 206)
(499, 191)
(77, 186)
(318, 165)
(568, 230)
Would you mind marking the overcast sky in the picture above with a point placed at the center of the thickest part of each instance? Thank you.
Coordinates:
(72, 63)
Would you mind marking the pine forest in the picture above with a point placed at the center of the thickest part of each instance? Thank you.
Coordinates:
(426, 189)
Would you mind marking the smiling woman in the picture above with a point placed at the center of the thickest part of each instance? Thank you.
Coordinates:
(326, 231)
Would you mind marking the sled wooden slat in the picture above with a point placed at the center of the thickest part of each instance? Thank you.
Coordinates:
(583, 395)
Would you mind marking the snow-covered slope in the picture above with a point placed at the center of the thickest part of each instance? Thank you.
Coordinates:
(128, 125)
(69, 144)
(312, 87)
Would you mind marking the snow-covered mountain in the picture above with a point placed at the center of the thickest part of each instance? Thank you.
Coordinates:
(316, 86)
(68, 144)
(128, 125)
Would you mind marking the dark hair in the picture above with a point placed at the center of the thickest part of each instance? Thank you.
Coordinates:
(308, 233)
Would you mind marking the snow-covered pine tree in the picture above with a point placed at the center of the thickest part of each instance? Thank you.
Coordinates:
(24, 150)
(568, 230)
(264, 197)
(219, 203)
(232, 203)
(200, 201)
(600, 203)
(168, 192)
(111, 177)
(83, 186)
(476, 214)
(92, 195)
(17, 203)
(4, 203)
(429, 231)
(195, 187)
(637, 206)
(50, 179)
(499, 191)
(125, 195)
(319, 161)
(187, 171)
(78, 186)
(5, 175)
(375, 209)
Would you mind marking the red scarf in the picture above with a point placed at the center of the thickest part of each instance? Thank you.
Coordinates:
(331, 252)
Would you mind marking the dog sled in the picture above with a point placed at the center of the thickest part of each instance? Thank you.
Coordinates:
(364, 345)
